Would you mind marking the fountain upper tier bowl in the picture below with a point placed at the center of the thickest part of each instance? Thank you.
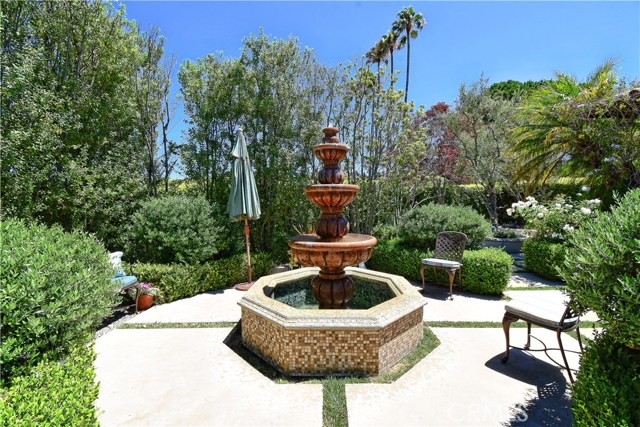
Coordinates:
(331, 197)
(311, 251)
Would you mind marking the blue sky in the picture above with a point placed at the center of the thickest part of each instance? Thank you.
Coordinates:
(505, 40)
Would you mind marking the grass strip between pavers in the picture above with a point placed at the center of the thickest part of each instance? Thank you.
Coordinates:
(181, 325)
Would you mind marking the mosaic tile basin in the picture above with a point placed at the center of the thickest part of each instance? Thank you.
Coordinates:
(301, 342)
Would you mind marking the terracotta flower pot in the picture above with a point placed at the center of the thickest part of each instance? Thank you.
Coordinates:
(144, 301)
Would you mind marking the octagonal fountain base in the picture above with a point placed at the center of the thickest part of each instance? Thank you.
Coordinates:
(302, 342)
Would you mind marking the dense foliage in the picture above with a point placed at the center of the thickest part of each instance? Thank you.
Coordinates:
(177, 281)
(607, 390)
(72, 151)
(178, 229)
(543, 257)
(419, 227)
(55, 290)
(587, 129)
(55, 393)
(602, 268)
(484, 271)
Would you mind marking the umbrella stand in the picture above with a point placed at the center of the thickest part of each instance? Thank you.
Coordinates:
(246, 286)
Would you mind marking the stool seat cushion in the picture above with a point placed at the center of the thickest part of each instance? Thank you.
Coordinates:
(548, 314)
(124, 281)
(442, 263)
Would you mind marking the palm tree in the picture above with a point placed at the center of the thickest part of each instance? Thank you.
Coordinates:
(409, 22)
(391, 43)
(377, 54)
(566, 129)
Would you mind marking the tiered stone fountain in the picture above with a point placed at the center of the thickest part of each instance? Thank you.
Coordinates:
(332, 248)
(332, 339)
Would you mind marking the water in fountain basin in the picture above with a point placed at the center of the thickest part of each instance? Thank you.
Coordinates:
(366, 294)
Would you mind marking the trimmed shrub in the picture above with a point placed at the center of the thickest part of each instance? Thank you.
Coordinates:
(420, 226)
(55, 290)
(607, 389)
(54, 393)
(177, 281)
(177, 229)
(602, 268)
(391, 256)
(543, 258)
(484, 271)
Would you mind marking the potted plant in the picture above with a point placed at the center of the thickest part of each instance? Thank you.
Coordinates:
(146, 293)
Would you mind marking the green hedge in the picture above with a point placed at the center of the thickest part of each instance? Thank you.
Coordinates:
(543, 258)
(55, 289)
(419, 227)
(55, 393)
(177, 281)
(484, 271)
(607, 389)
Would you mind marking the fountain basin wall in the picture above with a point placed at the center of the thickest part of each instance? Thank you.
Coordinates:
(338, 342)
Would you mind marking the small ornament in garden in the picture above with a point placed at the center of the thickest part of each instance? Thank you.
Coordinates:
(146, 293)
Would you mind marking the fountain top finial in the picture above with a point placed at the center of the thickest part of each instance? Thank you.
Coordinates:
(330, 133)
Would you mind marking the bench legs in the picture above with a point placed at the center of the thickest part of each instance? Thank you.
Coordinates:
(507, 320)
(451, 273)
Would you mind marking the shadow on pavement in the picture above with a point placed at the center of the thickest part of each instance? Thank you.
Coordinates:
(550, 404)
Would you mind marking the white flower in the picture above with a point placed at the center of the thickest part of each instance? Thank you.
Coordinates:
(585, 211)
(585, 188)
(578, 194)
(568, 206)
(558, 205)
(540, 215)
(515, 205)
(568, 228)
(509, 211)
(615, 145)
(594, 202)
(610, 159)
(530, 199)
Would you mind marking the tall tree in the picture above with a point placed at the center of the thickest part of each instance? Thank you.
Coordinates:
(72, 153)
(150, 89)
(169, 148)
(480, 128)
(392, 43)
(409, 22)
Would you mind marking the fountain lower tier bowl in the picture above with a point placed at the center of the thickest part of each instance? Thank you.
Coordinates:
(310, 250)
(332, 342)
(331, 197)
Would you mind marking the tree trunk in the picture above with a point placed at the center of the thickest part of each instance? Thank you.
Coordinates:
(406, 87)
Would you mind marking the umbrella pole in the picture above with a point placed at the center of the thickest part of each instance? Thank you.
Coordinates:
(246, 235)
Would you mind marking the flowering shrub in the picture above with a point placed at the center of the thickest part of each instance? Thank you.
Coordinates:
(147, 289)
(557, 220)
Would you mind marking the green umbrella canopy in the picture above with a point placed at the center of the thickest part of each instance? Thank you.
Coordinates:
(243, 200)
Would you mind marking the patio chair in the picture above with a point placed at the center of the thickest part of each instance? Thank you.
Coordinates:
(448, 257)
(556, 317)
(121, 281)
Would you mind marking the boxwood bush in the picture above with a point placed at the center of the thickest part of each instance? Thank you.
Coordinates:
(177, 281)
(485, 271)
(602, 268)
(607, 388)
(543, 258)
(55, 393)
(55, 289)
(177, 229)
(419, 227)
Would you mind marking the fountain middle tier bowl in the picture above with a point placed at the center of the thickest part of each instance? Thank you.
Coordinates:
(330, 153)
(311, 251)
(331, 197)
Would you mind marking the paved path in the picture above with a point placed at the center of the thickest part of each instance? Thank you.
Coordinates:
(189, 377)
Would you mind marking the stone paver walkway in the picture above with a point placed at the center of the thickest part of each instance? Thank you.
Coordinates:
(190, 377)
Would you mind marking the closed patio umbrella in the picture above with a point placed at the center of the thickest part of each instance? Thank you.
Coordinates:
(243, 203)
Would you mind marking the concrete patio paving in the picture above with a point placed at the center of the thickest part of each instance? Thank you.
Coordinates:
(190, 377)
